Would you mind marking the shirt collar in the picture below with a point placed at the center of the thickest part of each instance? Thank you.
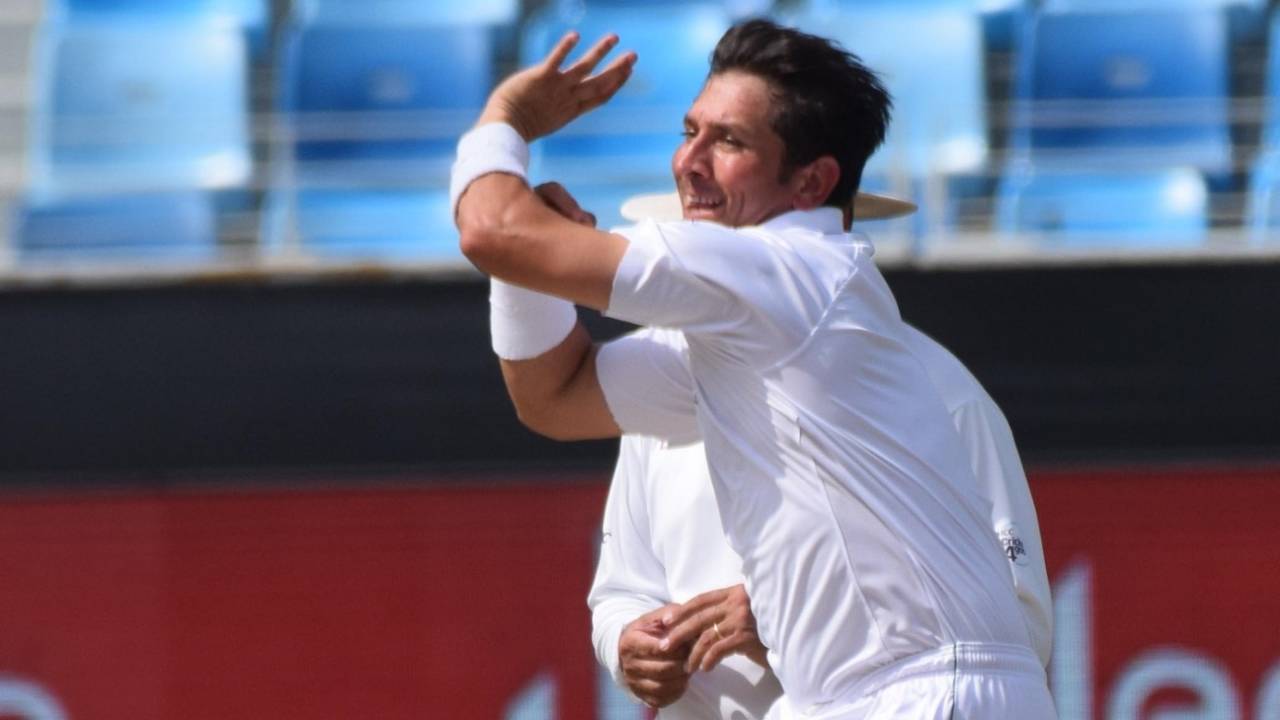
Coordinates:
(826, 220)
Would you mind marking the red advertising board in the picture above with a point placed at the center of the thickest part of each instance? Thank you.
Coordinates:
(1166, 592)
(411, 602)
(467, 599)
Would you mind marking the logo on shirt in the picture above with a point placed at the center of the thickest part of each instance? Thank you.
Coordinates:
(1014, 549)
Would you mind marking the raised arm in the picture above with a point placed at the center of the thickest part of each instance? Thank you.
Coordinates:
(506, 230)
(530, 242)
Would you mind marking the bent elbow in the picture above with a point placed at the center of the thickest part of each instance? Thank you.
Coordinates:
(479, 245)
(546, 421)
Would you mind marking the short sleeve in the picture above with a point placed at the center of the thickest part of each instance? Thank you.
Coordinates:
(648, 385)
(732, 287)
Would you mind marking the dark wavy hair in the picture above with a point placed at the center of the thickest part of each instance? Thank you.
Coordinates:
(826, 101)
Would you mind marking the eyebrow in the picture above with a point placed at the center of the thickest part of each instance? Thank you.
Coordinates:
(731, 128)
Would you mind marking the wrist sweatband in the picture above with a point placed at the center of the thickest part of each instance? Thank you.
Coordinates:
(492, 147)
(525, 324)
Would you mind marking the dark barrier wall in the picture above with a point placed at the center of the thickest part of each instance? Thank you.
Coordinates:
(1089, 363)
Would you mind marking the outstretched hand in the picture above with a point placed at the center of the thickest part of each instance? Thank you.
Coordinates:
(541, 99)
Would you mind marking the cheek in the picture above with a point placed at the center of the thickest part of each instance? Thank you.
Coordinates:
(738, 172)
(752, 180)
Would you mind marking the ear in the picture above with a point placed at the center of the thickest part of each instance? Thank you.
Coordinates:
(811, 184)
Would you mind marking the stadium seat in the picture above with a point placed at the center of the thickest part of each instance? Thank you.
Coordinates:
(373, 99)
(1263, 209)
(372, 122)
(128, 126)
(383, 224)
(1158, 208)
(1143, 87)
(625, 147)
(121, 106)
(1115, 104)
(253, 17)
(408, 12)
(1131, 5)
(735, 8)
(241, 13)
(146, 228)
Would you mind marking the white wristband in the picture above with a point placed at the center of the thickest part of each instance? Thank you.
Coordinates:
(525, 324)
(493, 147)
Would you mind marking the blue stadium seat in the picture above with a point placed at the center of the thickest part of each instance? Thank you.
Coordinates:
(407, 12)
(120, 106)
(147, 227)
(1157, 208)
(1263, 210)
(1131, 5)
(1145, 87)
(382, 224)
(373, 119)
(735, 8)
(1246, 19)
(374, 99)
(1262, 213)
(253, 17)
(625, 146)
(133, 123)
(240, 13)
(1114, 104)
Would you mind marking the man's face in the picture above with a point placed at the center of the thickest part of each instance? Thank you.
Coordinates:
(728, 167)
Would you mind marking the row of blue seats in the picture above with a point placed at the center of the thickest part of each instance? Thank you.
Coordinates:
(1121, 116)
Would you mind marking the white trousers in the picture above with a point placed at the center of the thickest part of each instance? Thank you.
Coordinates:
(964, 681)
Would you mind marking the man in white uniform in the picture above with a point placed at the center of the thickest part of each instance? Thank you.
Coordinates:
(876, 585)
(660, 546)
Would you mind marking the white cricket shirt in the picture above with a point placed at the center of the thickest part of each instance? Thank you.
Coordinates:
(662, 538)
(839, 479)
(994, 457)
(662, 543)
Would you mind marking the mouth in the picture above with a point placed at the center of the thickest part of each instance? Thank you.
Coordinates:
(701, 205)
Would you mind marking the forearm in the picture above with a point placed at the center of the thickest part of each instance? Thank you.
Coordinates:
(508, 232)
(557, 393)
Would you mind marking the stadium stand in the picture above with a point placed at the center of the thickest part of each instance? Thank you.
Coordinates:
(109, 121)
(1263, 213)
(1124, 101)
(251, 16)
(1011, 115)
(413, 12)
(370, 120)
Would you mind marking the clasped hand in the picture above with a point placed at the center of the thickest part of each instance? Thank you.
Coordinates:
(541, 99)
(659, 651)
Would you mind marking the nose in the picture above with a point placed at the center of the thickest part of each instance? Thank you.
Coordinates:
(690, 158)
